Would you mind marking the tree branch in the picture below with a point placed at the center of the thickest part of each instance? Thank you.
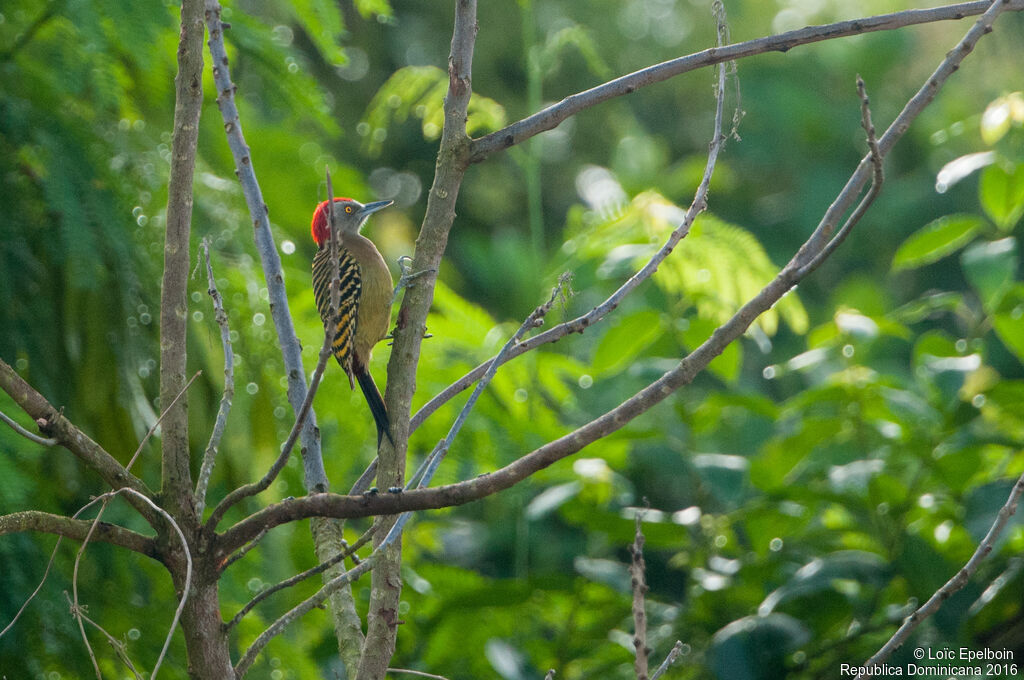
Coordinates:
(76, 607)
(877, 178)
(299, 578)
(52, 423)
(301, 609)
(638, 582)
(34, 438)
(188, 100)
(463, 492)
(673, 654)
(954, 584)
(552, 116)
(78, 529)
(536, 318)
(210, 456)
(382, 616)
(315, 478)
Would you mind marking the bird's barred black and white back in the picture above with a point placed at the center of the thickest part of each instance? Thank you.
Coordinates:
(344, 322)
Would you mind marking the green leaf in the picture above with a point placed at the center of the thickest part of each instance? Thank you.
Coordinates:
(551, 499)
(990, 267)
(822, 574)
(928, 306)
(1002, 195)
(623, 342)
(755, 647)
(419, 91)
(982, 505)
(368, 8)
(1000, 115)
(936, 240)
(1008, 321)
(579, 38)
(724, 475)
(323, 22)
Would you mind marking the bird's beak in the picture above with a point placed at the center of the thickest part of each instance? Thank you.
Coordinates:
(371, 208)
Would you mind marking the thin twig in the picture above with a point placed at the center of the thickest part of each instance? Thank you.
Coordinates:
(298, 578)
(188, 564)
(673, 654)
(42, 441)
(305, 410)
(210, 455)
(877, 178)
(78, 612)
(242, 552)
(421, 674)
(536, 319)
(302, 609)
(553, 115)
(638, 584)
(62, 526)
(954, 584)
(77, 607)
(103, 507)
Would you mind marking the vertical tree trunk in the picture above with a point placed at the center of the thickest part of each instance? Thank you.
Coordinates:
(205, 641)
(177, 482)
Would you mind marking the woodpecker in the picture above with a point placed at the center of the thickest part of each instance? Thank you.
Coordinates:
(364, 306)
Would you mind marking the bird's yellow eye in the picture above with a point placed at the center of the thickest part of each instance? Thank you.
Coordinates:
(348, 208)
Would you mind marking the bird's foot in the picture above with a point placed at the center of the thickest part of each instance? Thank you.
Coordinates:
(405, 280)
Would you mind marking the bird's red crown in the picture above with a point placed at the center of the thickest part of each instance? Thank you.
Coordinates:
(318, 228)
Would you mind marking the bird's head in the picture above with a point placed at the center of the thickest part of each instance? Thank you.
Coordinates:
(349, 216)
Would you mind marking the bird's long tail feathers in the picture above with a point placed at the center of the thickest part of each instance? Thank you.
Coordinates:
(376, 402)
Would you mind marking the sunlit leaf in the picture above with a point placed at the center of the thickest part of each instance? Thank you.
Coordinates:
(1001, 193)
(1008, 321)
(323, 22)
(551, 499)
(1000, 116)
(609, 572)
(505, 659)
(936, 240)
(369, 8)
(718, 267)
(725, 475)
(626, 340)
(990, 267)
(928, 306)
(419, 91)
(578, 38)
(822, 574)
(959, 168)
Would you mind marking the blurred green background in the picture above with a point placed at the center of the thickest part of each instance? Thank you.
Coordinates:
(841, 461)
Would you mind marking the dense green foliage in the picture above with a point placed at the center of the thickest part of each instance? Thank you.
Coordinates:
(841, 461)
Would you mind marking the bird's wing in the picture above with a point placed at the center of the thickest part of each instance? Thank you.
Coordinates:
(344, 323)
